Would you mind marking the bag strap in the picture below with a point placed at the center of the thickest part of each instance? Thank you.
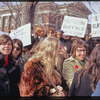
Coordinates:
(48, 78)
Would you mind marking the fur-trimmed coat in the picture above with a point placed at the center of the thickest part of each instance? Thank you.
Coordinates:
(34, 82)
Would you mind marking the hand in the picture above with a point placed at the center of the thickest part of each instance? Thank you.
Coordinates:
(61, 93)
(63, 51)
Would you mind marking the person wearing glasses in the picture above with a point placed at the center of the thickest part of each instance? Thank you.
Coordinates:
(9, 71)
(17, 53)
(75, 62)
(86, 82)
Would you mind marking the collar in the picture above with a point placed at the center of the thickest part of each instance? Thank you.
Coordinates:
(82, 63)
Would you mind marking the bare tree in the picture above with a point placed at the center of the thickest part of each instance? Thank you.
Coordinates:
(51, 13)
(28, 9)
(24, 11)
(15, 8)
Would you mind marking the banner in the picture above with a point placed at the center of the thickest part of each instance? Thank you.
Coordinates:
(3, 33)
(74, 26)
(23, 33)
(95, 25)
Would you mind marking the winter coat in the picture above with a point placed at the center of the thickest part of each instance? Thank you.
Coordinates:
(34, 82)
(70, 66)
(9, 79)
(20, 62)
(84, 89)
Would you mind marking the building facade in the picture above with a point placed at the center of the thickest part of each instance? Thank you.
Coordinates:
(47, 14)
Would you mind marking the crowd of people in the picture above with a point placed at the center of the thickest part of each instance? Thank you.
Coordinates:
(54, 65)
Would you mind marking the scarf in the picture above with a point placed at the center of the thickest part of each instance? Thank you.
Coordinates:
(82, 63)
(6, 62)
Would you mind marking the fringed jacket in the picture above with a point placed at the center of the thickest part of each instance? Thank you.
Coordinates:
(34, 82)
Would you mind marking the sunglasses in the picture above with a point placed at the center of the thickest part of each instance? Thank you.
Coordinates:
(17, 48)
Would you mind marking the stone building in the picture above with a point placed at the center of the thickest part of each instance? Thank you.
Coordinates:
(47, 14)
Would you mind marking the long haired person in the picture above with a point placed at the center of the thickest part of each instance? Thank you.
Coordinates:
(34, 82)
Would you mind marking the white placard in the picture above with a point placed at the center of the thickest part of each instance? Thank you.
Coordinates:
(95, 25)
(3, 33)
(74, 26)
(23, 33)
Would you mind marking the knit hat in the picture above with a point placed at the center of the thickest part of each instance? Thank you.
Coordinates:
(60, 31)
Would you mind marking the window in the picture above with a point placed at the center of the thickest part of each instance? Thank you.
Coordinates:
(40, 19)
(6, 20)
(12, 22)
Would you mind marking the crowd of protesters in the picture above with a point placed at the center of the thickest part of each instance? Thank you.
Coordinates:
(53, 65)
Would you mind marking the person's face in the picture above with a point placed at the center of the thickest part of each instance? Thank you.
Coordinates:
(50, 33)
(81, 53)
(59, 35)
(90, 35)
(86, 37)
(16, 50)
(41, 34)
(6, 48)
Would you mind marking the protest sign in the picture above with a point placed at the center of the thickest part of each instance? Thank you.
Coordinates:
(3, 33)
(95, 25)
(23, 33)
(74, 26)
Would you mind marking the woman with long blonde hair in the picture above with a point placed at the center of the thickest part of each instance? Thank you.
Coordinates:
(34, 82)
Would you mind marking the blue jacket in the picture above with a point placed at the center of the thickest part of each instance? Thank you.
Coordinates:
(97, 90)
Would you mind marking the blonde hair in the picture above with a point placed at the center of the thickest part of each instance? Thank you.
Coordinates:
(47, 52)
(38, 30)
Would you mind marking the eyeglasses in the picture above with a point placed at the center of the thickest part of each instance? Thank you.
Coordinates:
(79, 51)
(17, 48)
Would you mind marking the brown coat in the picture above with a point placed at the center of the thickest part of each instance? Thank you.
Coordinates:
(34, 82)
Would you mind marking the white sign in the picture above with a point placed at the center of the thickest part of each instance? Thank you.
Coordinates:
(74, 26)
(3, 33)
(23, 33)
(95, 25)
